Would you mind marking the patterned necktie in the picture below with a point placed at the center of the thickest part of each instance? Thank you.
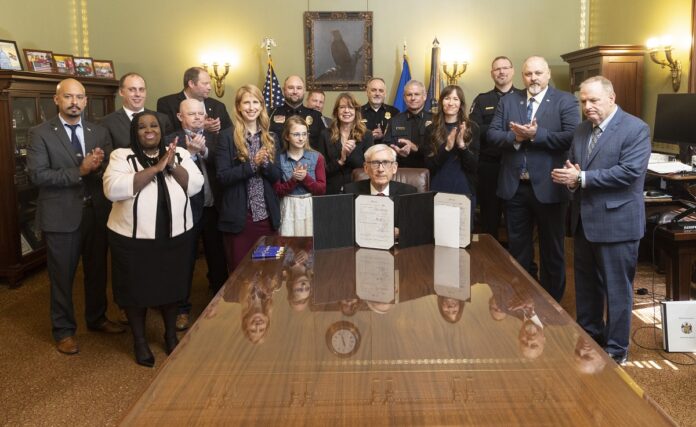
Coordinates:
(530, 109)
(596, 131)
(74, 141)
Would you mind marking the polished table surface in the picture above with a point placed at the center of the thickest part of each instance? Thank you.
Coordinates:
(343, 337)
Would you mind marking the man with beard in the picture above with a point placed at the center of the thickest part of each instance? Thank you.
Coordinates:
(65, 158)
(534, 131)
(376, 114)
(293, 91)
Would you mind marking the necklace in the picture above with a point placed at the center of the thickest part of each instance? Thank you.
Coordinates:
(152, 156)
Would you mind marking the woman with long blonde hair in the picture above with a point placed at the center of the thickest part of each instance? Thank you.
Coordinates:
(344, 143)
(246, 171)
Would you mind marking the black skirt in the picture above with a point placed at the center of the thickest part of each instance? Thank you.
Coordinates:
(150, 272)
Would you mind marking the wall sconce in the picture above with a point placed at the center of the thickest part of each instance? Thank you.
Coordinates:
(454, 71)
(218, 80)
(664, 44)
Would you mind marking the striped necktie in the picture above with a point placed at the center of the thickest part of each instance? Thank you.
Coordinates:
(596, 131)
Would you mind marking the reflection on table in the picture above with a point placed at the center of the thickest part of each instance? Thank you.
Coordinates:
(424, 335)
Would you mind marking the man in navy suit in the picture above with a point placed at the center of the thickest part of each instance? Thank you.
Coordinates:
(608, 161)
(534, 129)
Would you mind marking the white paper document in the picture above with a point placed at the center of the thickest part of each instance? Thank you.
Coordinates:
(374, 222)
(447, 226)
(464, 204)
(668, 167)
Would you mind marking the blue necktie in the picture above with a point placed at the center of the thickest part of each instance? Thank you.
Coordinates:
(74, 141)
(530, 109)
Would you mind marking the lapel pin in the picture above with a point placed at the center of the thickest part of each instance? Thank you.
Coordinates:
(55, 129)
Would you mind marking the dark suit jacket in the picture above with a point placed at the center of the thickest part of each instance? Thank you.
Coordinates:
(232, 175)
(611, 204)
(198, 200)
(118, 124)
(55, 170)
(557, 117)
(169, 105)
(396, 189)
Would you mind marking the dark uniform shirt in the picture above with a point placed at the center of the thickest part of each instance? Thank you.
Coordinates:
(482, 112)
(381, 117)
(412, 127)
(312, 117)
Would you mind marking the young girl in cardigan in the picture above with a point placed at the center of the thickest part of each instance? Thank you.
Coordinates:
(303, 176)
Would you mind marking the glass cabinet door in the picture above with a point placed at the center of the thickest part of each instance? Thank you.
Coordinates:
(24, 116)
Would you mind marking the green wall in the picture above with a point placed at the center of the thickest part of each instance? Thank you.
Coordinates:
(160, 39)
(647, 18)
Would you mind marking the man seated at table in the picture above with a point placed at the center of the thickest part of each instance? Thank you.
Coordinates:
(380, 165)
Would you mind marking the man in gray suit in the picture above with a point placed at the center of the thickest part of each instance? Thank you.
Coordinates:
(65, 158)
(608, 161)
(133, 92)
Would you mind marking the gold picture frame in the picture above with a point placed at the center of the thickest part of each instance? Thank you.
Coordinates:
(338, 50)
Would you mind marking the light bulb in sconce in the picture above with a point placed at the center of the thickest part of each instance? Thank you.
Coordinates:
(454, 64)
(220, 69)
(663, 44)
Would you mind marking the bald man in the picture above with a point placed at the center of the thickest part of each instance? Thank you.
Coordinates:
(533, 130)
(293, 91)
(66, 157)
(201, 144)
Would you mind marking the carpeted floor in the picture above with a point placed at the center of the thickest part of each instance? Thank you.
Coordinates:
(42, 387)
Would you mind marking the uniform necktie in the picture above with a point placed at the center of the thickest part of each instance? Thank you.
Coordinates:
(530, 109)
(74, 141)
(596, 131)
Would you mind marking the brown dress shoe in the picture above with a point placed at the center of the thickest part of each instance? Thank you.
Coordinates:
(68, 345)
(182, 322)
(109, 327)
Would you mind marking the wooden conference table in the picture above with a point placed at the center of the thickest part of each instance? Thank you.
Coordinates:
(442, 337)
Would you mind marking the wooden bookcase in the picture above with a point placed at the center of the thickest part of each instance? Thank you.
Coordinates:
(26, 99)
(622, 64)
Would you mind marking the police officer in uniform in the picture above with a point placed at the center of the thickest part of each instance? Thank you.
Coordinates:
(376, 114)
(293, 90)
(406, 133)
(482, 111)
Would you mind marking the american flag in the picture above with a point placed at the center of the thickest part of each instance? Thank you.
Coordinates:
(271, 89)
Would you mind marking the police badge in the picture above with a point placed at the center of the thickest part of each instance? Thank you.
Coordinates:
(279, 119)
(309, 120)
(387, 115)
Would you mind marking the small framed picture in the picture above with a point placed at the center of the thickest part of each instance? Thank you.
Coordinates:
(65, 64)
(39, 60)
(84, 66)
(9, 56)
(104, 68)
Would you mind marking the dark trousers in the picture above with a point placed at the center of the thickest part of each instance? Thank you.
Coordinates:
(238, 245)
(490, 205)
(522, 212)
(604, 274)
(206, 228)
(63, 251)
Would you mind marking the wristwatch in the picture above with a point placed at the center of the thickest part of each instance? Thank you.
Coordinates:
(579, 181)
(172, 167)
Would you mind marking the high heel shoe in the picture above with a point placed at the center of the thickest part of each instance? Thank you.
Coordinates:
(143, 355)
(170, 343)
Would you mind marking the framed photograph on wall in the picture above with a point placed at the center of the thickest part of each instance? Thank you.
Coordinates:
(9, 56)
(65, 64)
(338, 50)
(84, 66)
(39, 60)
(104, 68)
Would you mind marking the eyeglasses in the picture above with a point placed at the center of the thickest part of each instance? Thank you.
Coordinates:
(298, 134)
(375, 164)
